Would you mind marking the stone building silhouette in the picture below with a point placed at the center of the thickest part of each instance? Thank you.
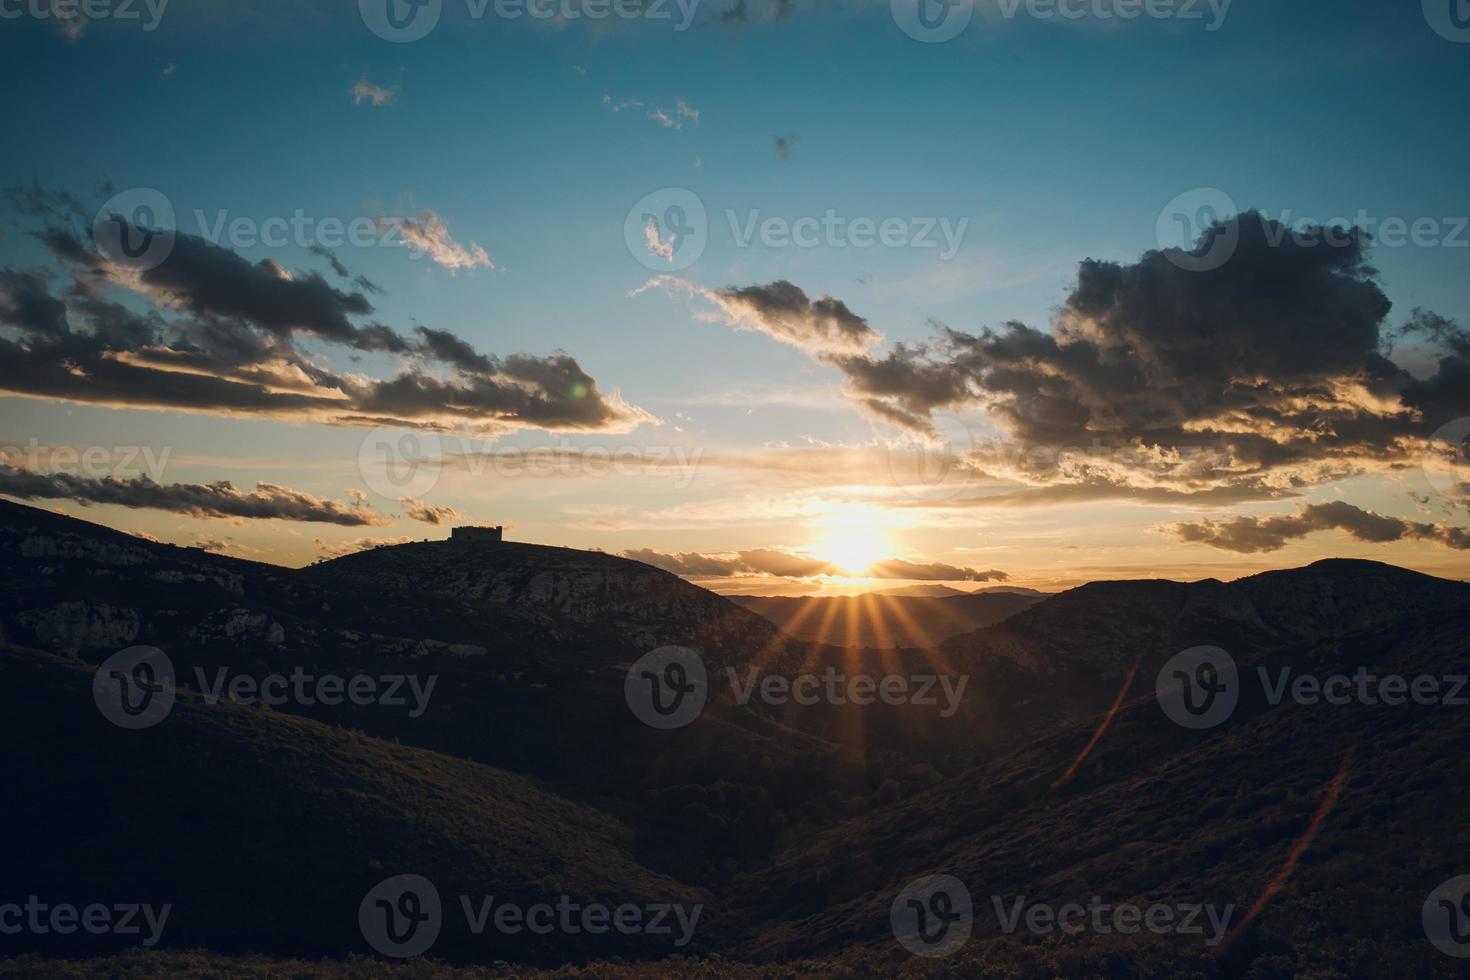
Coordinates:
(493, 535)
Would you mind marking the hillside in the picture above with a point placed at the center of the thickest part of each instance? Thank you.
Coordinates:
(795, 825)
(886, 620)
(265, 831)
(1157, 811)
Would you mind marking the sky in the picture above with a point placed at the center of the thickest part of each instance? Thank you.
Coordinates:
(784, 296)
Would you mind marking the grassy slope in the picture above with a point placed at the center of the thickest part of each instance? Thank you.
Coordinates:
(266, 830)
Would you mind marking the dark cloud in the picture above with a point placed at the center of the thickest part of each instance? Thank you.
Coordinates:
(418, 510)
(219, 499)
(783, 310)
(1249, 535)
(26, 302)
(1270, 369)
(783, 564)
(222, 334)
(932, 572)
(331, 257)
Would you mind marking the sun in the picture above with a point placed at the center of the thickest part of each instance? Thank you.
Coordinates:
(853, 546)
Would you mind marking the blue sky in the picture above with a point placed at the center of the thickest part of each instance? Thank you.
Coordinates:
(1052, 142)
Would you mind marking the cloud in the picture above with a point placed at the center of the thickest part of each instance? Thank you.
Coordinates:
(783, 564)
(366, 91)
(783, 311)
(1249, 535)
(657, 246)
(1272, 369)
(428, 513)
(667, 118)
(428, 233)
(932, 572)
(219, 499)
(219, 334)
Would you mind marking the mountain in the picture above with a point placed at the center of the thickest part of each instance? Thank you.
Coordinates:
(886, 620)
(265, 831)
(1317, 811)
(1058, 776)
(940, 591)
(927, 591)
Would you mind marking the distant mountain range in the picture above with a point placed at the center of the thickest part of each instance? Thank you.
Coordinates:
(940, 591)
(1059, 776)
(889, 619)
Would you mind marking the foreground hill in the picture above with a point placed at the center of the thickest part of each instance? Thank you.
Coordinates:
(796, 825)
(1320, 812)
(265, 831)
(886, 620)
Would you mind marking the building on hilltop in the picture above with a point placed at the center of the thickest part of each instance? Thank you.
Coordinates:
(494, 535)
